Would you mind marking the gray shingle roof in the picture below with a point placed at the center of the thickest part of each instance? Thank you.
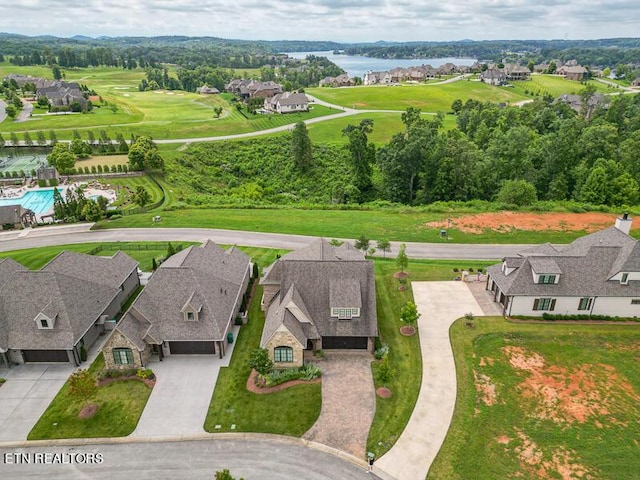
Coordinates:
(108, 271)
(11, 214)
(207, 277)
(585, 267)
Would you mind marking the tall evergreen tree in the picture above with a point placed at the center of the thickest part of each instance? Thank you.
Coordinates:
(301, 149)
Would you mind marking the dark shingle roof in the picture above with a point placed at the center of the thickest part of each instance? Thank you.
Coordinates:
(108, 271)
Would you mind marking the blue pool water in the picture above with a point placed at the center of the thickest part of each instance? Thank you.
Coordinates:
(40, 201)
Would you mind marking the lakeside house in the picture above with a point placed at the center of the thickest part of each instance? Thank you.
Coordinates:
(287, 102)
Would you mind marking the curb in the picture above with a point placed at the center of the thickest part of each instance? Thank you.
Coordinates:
(361, 463)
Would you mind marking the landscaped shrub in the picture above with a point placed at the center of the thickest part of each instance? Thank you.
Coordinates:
(309, 372)
(129, 372)
(53, 182)
(42, 183)
(144, 373)
(381, 352)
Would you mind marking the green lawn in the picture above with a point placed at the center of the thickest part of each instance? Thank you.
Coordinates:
(126, 187)
(392, 414)
(555, 86)
(120, 407)
(288, 412)
(589, 421)
(429, 98)
(402, 225)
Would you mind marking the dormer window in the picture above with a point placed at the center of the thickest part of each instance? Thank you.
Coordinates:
(625, 279)
(44, 322)
(345, 313)
(190, 316)
(192, 308)
(546, 279)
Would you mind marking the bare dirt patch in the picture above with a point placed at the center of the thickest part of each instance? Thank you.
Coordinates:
(576, 395)
(559, 464)
(485, 389)
(529, 221)
(503, 440)
(484, 361)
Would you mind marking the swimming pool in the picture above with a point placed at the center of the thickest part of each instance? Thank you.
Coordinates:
(40, 201)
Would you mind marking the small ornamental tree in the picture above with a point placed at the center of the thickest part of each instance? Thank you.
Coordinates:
(82, 385)
(409, 313)
(141, 196)
(384, 246)
(385, 372)
(402, 261)
(362, 243)
(224, 475)
(260, 361)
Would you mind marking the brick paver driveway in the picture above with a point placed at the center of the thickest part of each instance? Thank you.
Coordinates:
(348, 403)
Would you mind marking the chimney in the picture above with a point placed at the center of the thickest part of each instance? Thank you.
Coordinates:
(624, 224)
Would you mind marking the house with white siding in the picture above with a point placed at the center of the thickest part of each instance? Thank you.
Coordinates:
(598, 274)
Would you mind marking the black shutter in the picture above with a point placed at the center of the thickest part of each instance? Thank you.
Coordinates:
(553, 305)
(535, 303)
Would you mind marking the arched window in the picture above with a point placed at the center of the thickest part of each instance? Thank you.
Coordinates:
(283, 354)
(123, 356)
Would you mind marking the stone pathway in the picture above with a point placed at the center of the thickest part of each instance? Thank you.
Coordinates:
(348, 403)
(484, 298)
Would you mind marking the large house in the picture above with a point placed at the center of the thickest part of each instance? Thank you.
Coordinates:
(253, 88)
(188, 307)
(342, 80)
(51, 314)
(318, 297)
(63, 94)
(576, 73)
(493, 76)
(287, 102)
(598, 274)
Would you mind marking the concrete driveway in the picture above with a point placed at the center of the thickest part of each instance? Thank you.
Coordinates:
(26, 395)
(180, 400)
(440, 304)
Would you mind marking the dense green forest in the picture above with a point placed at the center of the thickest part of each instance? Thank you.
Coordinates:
(605, 52)
(540, 151)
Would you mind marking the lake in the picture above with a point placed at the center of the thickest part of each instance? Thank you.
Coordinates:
(358, 65)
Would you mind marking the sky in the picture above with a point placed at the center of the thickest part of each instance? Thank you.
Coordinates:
(336, 20)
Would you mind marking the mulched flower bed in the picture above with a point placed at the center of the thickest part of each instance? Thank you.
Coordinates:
(407, 330)
(149, 382)
(383, 392)
(254, 386)
(88, 411)
(401, 275)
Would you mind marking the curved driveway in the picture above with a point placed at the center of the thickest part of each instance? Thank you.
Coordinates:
(61, 235)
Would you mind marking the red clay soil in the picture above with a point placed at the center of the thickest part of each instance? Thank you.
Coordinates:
(383, 392)
(530, 221)
(88, 411)
(255, 388)
(407, 330)
(401, 275)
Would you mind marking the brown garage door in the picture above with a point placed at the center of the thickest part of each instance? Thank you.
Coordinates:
(45, 356)
(348, 343)
(192, 348)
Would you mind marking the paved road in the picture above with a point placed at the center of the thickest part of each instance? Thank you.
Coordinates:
(25, 113)
(193, 460)
(48, 236)
(3, 113)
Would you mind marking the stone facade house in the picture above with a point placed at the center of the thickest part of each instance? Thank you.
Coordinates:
(493, 76)
(187, 307)
(516, 72)
(342, 80)
(63, 94)
(598, 274)
(49, 315)
(576, 73)
(318, 297)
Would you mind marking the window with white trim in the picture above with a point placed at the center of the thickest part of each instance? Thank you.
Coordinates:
(585, 303)
(635, 301)
(123, 356)
(625, 278)
(283, 354)
(345, 313)
(546, 279)
(544, 304)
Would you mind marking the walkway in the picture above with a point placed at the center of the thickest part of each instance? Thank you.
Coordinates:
(180, 400)
(440, 304)
(348, 403)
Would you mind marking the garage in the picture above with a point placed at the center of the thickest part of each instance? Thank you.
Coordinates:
(344, 343)
(192, 348)
(45, 356)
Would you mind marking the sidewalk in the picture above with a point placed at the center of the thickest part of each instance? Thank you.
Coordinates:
(440, 304)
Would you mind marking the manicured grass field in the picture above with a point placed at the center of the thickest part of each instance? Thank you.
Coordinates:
(376, 224)
(120, 406)
(126, 186)
(288, 412)
(566, 399)
(429, 98)
(392, 414)
(103, 160)
(555, 86)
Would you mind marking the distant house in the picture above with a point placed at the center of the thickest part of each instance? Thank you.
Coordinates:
(51, 314)
(342, 80)
(598, 274)
(636, 82)
(576, 73)
(287, 102)
(376, 78)
(22, 80)
(47, 173)
(493, 76)
(447, 69)
(516, 72)
(318, 297)
(16, 216)
(205, 90)
(596, 100)
(253, 88)
(188, 307)
(63, 94)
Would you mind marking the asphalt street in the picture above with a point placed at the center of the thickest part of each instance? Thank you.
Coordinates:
(190, 460)
(60, 235)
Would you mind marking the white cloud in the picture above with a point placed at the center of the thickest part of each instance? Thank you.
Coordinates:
(339, 20)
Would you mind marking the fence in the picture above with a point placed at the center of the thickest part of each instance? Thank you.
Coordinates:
(132, 246)
(151, 206)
